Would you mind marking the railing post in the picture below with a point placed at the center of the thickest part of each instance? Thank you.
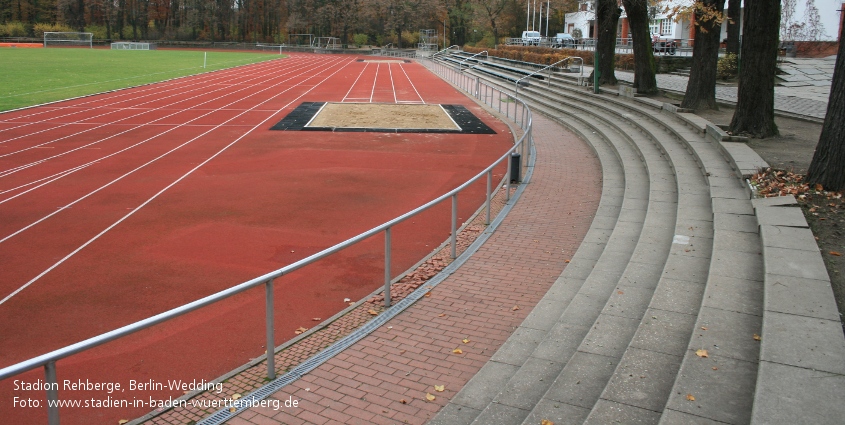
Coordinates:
(271, 330)
(489, 194)
(52, 393)
(508, 179)
(454, 225)
(387, 249)
(477, 87)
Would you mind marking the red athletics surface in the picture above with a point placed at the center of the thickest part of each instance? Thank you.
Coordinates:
(120, 206)
(23, 45)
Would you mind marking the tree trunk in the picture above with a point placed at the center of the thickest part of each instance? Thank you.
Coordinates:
(734, 10)
(608, 16)
(828, 165)
(755, 107)
(701, 88)
(644, 67)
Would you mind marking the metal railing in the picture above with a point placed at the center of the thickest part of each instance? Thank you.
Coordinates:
(454, 46)
(460, 64)
(514, 109)
(548, 79)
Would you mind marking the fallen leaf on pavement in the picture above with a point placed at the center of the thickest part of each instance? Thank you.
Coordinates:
(300, 330)
(701, 353)
(458, 351)
(690, 397)
(429, 397)
(373, 312)
(439, 388)
(757, 337)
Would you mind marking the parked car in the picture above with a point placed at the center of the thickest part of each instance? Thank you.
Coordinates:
(663, 45)
(531, 38)
(564, 40)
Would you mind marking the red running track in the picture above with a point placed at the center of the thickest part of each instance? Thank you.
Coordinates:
(119, 206)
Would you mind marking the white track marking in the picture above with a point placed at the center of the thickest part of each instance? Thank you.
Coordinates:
(378, 66)
(66, 172)
(13, 170)
(108, 81)
(138, 208)
(412, 83)
(367, 64)
(79, 107)
(392, 86)
(113, 122)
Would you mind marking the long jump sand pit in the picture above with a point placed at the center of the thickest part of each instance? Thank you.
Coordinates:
(383, 115)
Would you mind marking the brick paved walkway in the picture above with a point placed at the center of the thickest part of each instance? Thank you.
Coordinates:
(385, 378)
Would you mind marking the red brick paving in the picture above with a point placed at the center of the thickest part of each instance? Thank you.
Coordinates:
(385, 377)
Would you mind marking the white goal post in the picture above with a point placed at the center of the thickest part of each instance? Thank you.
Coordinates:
(63, 39)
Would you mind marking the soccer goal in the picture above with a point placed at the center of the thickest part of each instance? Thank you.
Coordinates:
(326, 43)
(65, 39)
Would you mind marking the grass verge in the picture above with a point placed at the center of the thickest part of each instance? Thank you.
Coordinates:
(35, 76)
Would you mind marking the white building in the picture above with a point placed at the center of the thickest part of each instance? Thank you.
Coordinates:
(830, 14)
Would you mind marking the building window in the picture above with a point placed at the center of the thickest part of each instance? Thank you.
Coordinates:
(666, 26)
(654, 27)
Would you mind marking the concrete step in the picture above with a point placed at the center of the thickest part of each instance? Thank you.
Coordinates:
(478, 395)
(643, 358)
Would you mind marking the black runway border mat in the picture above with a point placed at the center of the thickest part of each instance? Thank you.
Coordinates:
(302, 115)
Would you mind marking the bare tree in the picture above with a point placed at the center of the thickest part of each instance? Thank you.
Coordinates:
(701, 88)
(828, 165)
(755, 107)
(734, 10)
(608, 14)
(645, 80)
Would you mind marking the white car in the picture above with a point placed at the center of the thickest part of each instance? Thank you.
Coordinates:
(531, 38)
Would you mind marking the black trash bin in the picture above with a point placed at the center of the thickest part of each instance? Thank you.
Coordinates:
(516, 167)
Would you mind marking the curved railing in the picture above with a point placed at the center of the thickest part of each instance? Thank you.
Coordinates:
(514, 109)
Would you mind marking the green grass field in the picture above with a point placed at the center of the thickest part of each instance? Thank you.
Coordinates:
(34, 76)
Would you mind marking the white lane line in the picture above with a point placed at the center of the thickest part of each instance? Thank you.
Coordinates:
(412, 83)
(392, 86)
(114, 122)
(65, 173)
(16, 169)
(138, 208)
(139, 94)
(378, 66)
(355, 82)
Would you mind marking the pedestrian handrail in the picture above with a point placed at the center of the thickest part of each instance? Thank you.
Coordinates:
(516, 91)
(460, 64)
(490, 95)
(445, 50)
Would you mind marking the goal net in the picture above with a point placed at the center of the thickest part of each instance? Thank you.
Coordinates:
(65, 39)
